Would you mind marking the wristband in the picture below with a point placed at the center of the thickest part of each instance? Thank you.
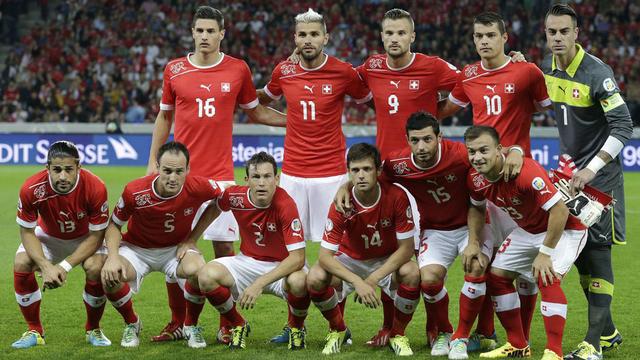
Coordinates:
(517, 148)
(65, 265)
(596, 164)
(546, 250)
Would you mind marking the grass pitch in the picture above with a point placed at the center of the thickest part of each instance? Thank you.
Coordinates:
(63, 313)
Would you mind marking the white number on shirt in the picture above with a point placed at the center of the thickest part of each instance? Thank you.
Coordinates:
(440, 195)
(515, 215)
(205, 107)
(374, 241)
(310, 113)
(494, 104)
(393, 103)
(67, 226)
(564, 113)
(259, 238)
(168, 224)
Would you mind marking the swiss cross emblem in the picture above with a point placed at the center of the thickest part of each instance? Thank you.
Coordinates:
(414, 84)
(401, 168)
(271, 227)
(471, 290)
(81, 215)
(386, 223)
(225, 87)
(236, 201)
(544, 307)
(327, 89)
(576, 94)
(516, 201)
(595, 284)
(509, 88)
(188, 211)
(450, 178)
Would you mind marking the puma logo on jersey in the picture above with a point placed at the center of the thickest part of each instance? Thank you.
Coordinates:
(208, 87)
(372, 226)
(395, 83)
(492, 88)
(259, 226)
(564, 91)
(64, 214)
(310, 88)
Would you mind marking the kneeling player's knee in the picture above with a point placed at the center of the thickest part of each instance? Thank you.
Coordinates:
(208, 276)
(22, 263)
(317, 279)
(409, 274)
(297, 283)
(476, 269)
(430, 277)
(190, 267)
(92, 266)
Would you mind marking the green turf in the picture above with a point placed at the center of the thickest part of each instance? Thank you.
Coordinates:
(63, 313)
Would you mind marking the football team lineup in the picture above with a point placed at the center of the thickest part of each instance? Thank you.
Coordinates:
(401, 216)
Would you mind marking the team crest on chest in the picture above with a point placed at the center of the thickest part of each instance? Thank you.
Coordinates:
(236, 201)
(143, 199)
(479, 181)
(471, 71)
(375, 63)
(288, 69)
(39, 192)
(177, 67)
(401, 168)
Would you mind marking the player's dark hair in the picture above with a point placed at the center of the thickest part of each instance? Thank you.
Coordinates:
(420, 120)
(476, 131)
(173, 147)
(397, 14)
(207, 12)
(261, 158)
(63, 149)
(489, 18)
(361, 151)
(563, 9)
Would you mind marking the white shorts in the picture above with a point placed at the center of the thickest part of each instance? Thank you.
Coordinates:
(501, 224)
(416, 217)
(313, 197)
(363, 268)
(224, 227)
(441, 247)
(245, 270)
(520, 248)
(56, 250)
(145, 261)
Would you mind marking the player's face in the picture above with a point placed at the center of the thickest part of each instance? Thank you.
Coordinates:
(484, 154)
(363, 174)
(561, 34)
(262, 182)
(310, 39)
(63, 173)
(207, 35)
(424, 146)
(489, 42)
(397, 37)
(172, 172)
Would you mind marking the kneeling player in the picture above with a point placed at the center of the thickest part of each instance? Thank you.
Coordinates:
(374, 242)
(160, 210)
(62, 213)
(543, 246)
(272, 256)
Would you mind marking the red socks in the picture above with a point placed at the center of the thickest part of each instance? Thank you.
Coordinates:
(28, 296)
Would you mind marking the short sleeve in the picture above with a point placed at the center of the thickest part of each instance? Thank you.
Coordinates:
(457, 95)
(476, 197)
(223, 201)
(362, 72)
(535, 180)
(291, 226)
(168, 97)
(333, 230)
(98, 210)
(27, 216)
(247, 98)
(357, 88)
(448, 75)
(404, 223)
(274, 88)
(538, 86)
(124, 208)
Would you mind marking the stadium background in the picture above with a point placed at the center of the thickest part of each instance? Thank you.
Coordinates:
(76, 62)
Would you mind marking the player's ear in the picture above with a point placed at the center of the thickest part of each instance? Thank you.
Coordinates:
(326, 38)
(505, 37)
(278, 179)
(222, 32)
(413, 37)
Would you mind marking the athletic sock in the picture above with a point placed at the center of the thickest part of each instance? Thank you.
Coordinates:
(407, 299)
(327, 302)
(94, 302)
(298, 309)
(195, 302)
(28, 297)
(438, 299)
(472, 298)
(121, 300)
(507, 307)
(221, 299)
(554, 313)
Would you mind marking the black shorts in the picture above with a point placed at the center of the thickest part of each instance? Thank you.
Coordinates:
(601, 234)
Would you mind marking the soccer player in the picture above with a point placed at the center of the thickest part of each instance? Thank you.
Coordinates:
(542, 247)
(159, 210)
(366, 247)
(594, 123)
(62, 214)
(200, 93)
(504, 95)
(272, 256)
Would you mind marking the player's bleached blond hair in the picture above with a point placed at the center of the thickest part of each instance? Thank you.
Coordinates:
(311, 17)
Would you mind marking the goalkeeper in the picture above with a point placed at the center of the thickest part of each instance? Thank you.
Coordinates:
(594, 123)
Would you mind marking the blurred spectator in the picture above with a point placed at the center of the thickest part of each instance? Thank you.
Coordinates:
(87, 61)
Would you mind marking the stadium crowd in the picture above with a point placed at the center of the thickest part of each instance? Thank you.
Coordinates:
(97, 61)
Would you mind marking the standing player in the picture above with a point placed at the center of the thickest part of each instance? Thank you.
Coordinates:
(201, 91)
(542, 247)
(594, 123)
(271, 260)
(62, 213)
(368, 246)
(503, 95)
(159, 210)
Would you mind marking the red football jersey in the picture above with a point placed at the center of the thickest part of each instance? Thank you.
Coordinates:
(527, 198)
(314, 145)
(397, 93)
(204, 99)
(440, 191)
(155, 221)
(267, 234)
(504, 98)
(64, 216)
(370, 232)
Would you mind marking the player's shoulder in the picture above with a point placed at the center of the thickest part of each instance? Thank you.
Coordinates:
(140, 184)
(531, 170)
(476, 180)
(91, 178)
(36, 184)
(195, 182)
(422, 60)
(594, 67)
(334, 63)
(392, 191)
(229, 60)
(399, 155)
(451, 145)
(545, 66)
(282, 199)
